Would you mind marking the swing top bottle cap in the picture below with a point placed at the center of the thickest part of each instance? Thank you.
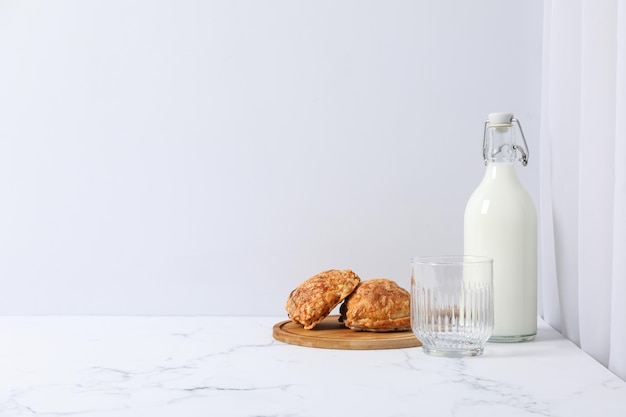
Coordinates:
(500, 119)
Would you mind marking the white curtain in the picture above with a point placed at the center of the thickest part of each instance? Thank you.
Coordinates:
(583, 176)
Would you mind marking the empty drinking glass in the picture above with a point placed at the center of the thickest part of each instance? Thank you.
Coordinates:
(452, 304)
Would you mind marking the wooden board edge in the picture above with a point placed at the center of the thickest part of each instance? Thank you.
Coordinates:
(341, 343)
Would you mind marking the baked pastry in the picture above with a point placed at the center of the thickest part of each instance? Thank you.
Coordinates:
(377, 305)
(316, 297)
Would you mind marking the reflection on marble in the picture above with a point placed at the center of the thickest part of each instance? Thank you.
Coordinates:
(231, 366)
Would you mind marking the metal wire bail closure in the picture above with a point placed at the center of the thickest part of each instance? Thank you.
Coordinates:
(523, 150)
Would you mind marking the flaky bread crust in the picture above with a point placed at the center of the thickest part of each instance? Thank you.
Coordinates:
(377, 305)
(315, 298)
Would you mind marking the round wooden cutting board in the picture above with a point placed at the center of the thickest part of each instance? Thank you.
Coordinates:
(331, 334)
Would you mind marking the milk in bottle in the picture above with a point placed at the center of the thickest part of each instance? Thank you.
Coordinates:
(501, 222)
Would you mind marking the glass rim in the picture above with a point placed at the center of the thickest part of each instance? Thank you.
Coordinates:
(451, 259)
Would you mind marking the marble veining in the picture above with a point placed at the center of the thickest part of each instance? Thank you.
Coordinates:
(231, 366)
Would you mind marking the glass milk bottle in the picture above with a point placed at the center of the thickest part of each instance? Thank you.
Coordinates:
(501, 223)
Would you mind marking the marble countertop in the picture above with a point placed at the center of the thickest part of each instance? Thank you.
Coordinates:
(232, 366)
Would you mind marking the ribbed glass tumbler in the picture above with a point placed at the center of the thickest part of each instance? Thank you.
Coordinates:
(452, 304)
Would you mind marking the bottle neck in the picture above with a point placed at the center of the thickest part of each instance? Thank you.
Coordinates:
(501, 173)
(499, 144)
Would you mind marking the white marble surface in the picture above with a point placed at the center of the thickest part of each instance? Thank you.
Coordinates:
(231, 366)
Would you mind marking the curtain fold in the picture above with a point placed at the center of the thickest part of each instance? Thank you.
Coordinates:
(582, 174)
(596, 169)
(617, 356)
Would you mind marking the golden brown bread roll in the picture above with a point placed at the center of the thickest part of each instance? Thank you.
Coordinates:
(377, 305)
(316, 297)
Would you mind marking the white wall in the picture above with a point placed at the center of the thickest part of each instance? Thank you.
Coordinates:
(205, 157)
